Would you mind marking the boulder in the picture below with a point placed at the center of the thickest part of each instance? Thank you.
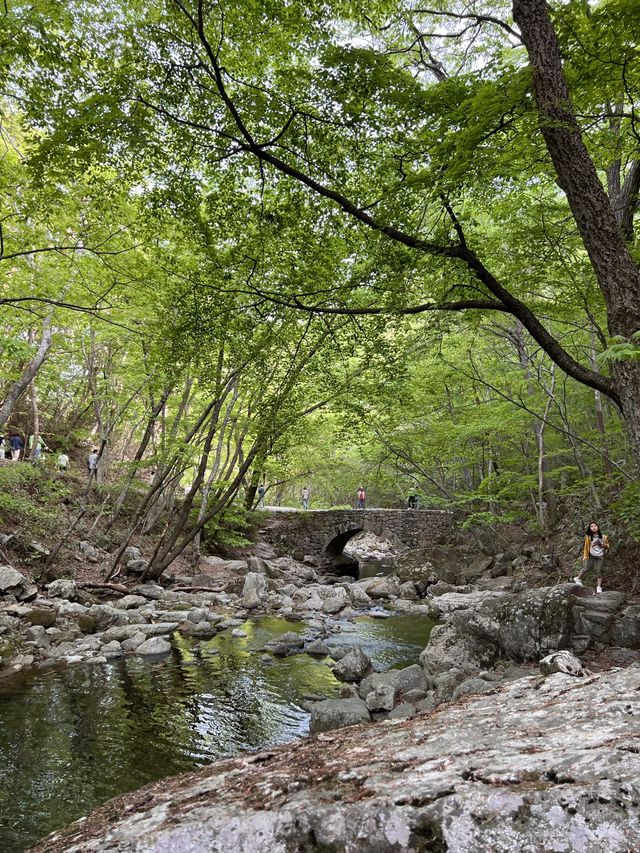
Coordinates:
(63, 588)
(131, 602)
(403, 681)
(89, 552)
(597, 617)
(443, 605)
(132, 643)
(469, 642)
(200, 630)
(410, 678)
(153, 629)
(383, 588)
(626, 630)
(473, 686)
(403, 711)
(354, 666)
(37, 552)
(562, 661)
(255, 590)
(86, 623)
(43, 616)
(154, 646)
(105, 615)
(131, 553)
(337, 714)
(382, 698)
(471, 573)
(136, 567)
(12, 582)
(112, 649)
(535, 622)
(318, 647)
(205, 581)
(37, 634)
(198, 614)
(336, 603)
(313, 602)
(359, 596)
(446, 683)
(408, 590)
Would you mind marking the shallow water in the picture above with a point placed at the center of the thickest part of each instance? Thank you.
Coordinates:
(73, 737)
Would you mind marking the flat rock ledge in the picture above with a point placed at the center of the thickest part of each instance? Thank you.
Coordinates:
(542, 764)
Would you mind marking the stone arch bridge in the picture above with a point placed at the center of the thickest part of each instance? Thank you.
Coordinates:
(324, 533)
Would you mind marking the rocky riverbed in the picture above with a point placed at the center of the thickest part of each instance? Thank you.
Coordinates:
(537, 764)
(487, 628)
(490, 635)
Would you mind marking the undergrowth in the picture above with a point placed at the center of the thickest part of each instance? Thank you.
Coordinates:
(30, 496)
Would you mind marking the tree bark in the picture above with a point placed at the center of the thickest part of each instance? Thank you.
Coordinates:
(603, 239)
(28, 374)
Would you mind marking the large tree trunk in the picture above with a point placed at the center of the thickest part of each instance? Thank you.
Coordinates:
(615, 270)
(28, 374)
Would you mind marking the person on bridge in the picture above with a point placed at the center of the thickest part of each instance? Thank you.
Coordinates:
(361, 497)
(306, 494)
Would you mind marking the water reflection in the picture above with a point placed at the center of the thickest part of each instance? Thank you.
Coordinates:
(74, 737)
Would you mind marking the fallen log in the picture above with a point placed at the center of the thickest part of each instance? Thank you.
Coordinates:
(113, 587)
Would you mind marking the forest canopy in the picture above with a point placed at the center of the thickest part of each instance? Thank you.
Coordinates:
(325, 244)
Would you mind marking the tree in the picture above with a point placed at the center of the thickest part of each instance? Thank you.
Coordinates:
(333, 122)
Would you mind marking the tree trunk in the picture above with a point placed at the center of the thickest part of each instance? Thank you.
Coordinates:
(28, 374)
(146, 438)
(35, 416)
(615, 270)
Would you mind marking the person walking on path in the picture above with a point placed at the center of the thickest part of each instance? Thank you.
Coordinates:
(92, 465)
(595, 548)
(261, 493)
(361, 497)
(36, 452)
(16, 444)
(306, 494)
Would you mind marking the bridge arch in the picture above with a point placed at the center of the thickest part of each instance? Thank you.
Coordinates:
(343, 532)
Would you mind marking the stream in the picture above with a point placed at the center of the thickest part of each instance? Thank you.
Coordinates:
(73, 737)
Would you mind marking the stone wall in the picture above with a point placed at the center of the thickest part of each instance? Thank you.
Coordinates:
(322, 532)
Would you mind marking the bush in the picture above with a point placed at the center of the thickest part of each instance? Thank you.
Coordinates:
(29, 496)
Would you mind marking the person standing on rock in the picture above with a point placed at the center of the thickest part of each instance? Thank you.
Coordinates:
(595, 548)
(361, 497)
(306, 494)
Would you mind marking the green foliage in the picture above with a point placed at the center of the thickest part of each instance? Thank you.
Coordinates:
(627, 509)
(232, 528)
(29, 498)
(191, 274)
(620, 349)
